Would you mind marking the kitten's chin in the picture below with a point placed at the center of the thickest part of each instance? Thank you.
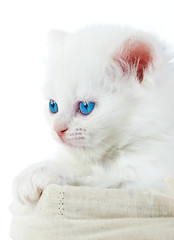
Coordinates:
(64, 142)
(72, 144)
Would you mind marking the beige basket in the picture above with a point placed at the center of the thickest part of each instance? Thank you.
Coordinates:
(84, 213)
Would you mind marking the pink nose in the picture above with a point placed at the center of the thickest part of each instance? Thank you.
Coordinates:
(61, 132)
(60, 129)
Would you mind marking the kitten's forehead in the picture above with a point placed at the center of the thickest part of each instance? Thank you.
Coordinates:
(75, 71)
(78, 64)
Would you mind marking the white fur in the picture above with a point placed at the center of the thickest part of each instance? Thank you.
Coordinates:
(128, 139)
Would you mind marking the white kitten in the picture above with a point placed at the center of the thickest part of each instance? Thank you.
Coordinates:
(111, 108)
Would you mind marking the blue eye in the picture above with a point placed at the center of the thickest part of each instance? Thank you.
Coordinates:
(53, 106)
(86, 108)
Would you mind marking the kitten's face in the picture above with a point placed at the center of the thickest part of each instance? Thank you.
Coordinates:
(82, 113)
(91, 100)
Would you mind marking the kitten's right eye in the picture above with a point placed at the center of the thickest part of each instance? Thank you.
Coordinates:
(53, 106)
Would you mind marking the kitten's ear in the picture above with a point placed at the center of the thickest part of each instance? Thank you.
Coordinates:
(56, 37)
(135, 55)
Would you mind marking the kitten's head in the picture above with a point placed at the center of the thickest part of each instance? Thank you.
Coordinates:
(97, 80)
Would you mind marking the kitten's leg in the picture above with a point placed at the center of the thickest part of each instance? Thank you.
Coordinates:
(29, 184)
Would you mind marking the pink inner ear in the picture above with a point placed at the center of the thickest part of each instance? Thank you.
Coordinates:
(136, 54)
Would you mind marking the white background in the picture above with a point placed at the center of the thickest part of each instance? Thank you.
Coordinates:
(24, 133)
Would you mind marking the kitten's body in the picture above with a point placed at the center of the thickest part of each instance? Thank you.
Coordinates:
(127, 141)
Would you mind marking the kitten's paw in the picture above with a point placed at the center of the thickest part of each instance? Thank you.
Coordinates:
(29, 184)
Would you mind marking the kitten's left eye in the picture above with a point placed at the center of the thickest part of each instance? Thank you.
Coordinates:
(86, 108)
(53, 106)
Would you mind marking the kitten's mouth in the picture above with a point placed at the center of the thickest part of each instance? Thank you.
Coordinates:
(62, 139)
(73, 142)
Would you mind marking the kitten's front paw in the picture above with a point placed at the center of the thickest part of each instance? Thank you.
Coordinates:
(29, 185)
